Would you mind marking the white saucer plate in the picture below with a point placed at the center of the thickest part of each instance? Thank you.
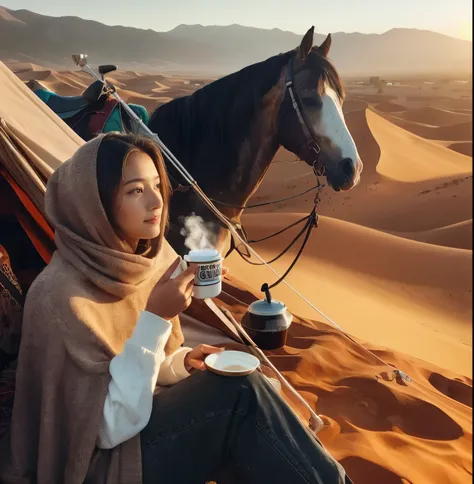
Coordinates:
(232, 363)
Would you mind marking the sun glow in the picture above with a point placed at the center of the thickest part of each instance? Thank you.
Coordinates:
(465, 30)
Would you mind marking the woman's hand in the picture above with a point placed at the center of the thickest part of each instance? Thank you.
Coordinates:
(170, 297)
(194, 360)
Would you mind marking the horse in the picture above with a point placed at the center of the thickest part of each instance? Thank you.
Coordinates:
(227, 133)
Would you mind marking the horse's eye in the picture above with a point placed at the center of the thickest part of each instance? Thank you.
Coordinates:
(311, 102)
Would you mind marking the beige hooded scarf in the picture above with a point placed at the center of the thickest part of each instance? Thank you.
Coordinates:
(78, 314)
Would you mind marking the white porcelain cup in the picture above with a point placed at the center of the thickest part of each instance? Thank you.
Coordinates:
(208, 280)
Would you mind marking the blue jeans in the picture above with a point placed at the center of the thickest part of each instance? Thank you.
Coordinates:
(231, 429)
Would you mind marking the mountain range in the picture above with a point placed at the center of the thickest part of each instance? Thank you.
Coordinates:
(49, 41)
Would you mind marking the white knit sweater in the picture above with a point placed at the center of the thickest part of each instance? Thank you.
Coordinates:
(135, 373)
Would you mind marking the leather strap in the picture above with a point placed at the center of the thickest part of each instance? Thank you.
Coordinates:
(100, 118)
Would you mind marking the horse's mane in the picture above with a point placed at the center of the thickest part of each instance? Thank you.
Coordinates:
(326, 72)
(225, 107)
(223, 111)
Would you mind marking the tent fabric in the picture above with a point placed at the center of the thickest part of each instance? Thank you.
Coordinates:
(15, 201)
(34, 141)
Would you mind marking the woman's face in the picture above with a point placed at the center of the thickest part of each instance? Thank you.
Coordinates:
(139, 204)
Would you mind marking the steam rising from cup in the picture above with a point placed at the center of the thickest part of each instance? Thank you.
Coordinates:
(197, 233)
(201, 241)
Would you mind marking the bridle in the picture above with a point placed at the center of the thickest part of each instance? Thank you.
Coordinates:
(307, 129)
(311, 220)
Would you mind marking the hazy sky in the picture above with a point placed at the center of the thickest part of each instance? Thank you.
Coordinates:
(451, 17)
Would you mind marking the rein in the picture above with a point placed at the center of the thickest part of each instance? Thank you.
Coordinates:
(186, 188)
(311, 222)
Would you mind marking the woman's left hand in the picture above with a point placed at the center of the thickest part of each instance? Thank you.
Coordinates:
(194, 360)
(225, 270)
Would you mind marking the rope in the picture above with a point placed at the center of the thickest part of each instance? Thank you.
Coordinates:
(305, 227)
(263, 204)
(256, 241)
(311, 224)
(181, 188)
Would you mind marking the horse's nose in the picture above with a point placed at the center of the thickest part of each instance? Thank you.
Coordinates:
(347, 166)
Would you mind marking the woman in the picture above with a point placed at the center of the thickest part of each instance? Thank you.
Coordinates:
(101, 330)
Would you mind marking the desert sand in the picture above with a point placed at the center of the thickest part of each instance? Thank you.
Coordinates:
(390, 263)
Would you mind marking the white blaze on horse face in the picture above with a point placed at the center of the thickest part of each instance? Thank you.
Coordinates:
(333, 126)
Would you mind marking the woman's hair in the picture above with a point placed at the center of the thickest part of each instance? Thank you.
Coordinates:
(112, 156)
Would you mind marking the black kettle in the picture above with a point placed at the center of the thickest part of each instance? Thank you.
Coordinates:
(267, 323)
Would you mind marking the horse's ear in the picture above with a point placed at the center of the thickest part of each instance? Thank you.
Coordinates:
(306, 44)
(325, 46)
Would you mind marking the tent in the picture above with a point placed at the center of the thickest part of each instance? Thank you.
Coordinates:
(33, 140)
(33, 143)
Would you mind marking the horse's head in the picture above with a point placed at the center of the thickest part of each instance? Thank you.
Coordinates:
(311, 121)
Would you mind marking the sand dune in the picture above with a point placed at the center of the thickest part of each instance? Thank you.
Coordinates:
(18, 67)
(385, 289)
(434, 116)
(367, 146)
(406, 157)
(389, 107)
(463, 110)
(457, 104)
(456, 132)
(116, 82)
(74, 81)
(457, 235)
(353, 105)
(63, 83)
(148, 90)
(382, 430)
(125, 75)
(145, 84)
(37, 75)
(463, 147)
(150, 102)
(30, 66)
